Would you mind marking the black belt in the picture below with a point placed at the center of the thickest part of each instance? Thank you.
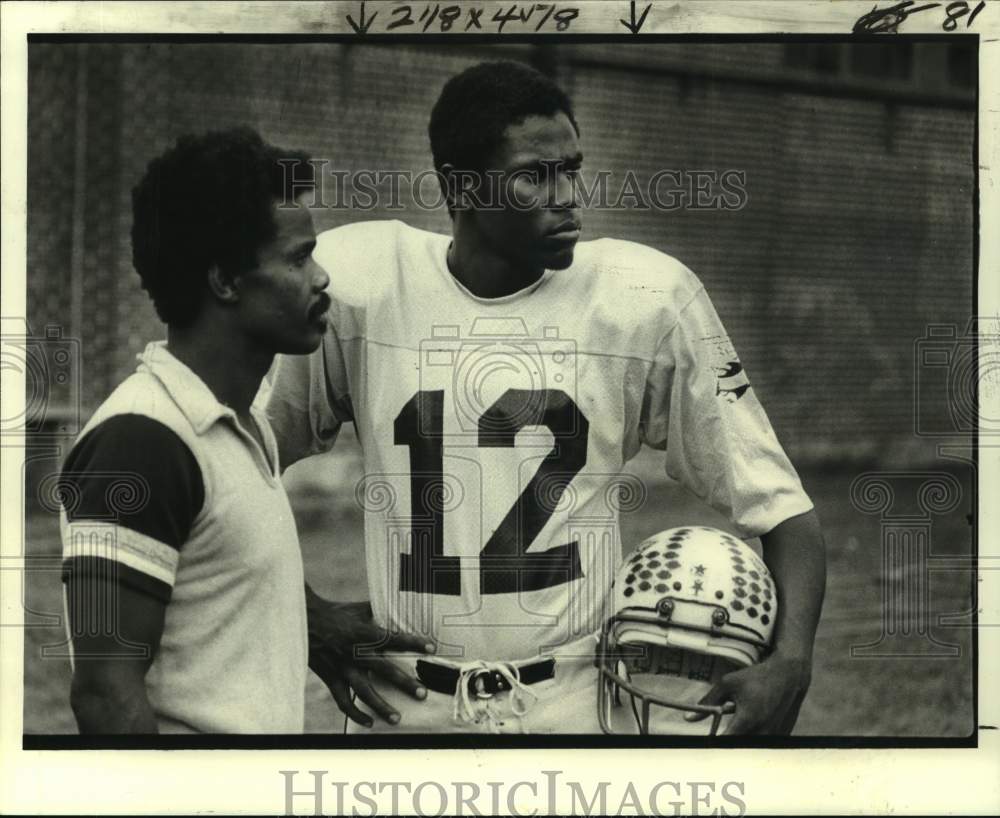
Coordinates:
(483, 683)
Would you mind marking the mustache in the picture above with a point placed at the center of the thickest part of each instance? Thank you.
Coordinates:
(321, 306)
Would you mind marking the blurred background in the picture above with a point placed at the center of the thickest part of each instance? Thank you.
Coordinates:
(852, 256)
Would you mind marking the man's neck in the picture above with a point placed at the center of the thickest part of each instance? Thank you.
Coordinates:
(230, 367)
(484, 273)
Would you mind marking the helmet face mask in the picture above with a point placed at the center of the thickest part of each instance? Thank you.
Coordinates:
(631, 672)
(692, 604)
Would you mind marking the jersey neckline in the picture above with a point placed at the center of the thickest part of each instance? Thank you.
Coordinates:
(441, 262)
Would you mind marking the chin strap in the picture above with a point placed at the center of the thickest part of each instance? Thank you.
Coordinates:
(478, 707)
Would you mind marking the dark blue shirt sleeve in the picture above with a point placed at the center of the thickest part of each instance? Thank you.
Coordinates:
(136, 474)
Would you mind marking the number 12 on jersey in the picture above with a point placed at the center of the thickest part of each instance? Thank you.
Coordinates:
(505, 564)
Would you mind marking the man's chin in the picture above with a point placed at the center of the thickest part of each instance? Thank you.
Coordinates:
(560, 260)
(302, 346)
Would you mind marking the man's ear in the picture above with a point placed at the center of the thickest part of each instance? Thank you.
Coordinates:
(455, 186)
(222, 285)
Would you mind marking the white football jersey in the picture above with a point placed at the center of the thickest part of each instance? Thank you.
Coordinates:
(494, 431)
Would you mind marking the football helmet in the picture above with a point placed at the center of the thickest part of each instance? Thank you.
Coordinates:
(691, 604)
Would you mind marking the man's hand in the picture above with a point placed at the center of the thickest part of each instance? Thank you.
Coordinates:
(767, 696)
(344, 648)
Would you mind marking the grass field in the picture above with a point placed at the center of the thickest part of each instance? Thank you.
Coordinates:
(850, 696)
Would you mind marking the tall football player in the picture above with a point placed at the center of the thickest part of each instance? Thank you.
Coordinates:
(173, 585)
(499, 380)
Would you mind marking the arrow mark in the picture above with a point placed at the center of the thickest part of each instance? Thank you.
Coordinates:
(635, 25)
(365, 24)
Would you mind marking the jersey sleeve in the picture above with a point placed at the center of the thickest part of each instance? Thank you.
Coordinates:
(131, 490)
(700, 407)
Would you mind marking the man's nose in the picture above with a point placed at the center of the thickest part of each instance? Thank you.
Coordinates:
(563, 190)
(320, 279)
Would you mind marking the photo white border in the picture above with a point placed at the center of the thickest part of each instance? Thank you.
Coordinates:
(904, 781)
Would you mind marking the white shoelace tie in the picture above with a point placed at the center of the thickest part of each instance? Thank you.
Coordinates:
(472, 708)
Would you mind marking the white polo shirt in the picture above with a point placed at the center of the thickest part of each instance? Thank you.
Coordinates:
(166, 490)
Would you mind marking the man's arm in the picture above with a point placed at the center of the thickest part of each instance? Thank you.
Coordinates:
(116, 633)
(700, 406)
(116, 605)
(796, 556)
(768, 696)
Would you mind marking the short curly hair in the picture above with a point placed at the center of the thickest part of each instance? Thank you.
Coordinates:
(478, 105)
(207, 201)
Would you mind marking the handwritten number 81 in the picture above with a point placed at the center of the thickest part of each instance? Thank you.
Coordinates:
(956, 11)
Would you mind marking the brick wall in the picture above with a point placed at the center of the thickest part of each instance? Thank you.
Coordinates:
(857, 231)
